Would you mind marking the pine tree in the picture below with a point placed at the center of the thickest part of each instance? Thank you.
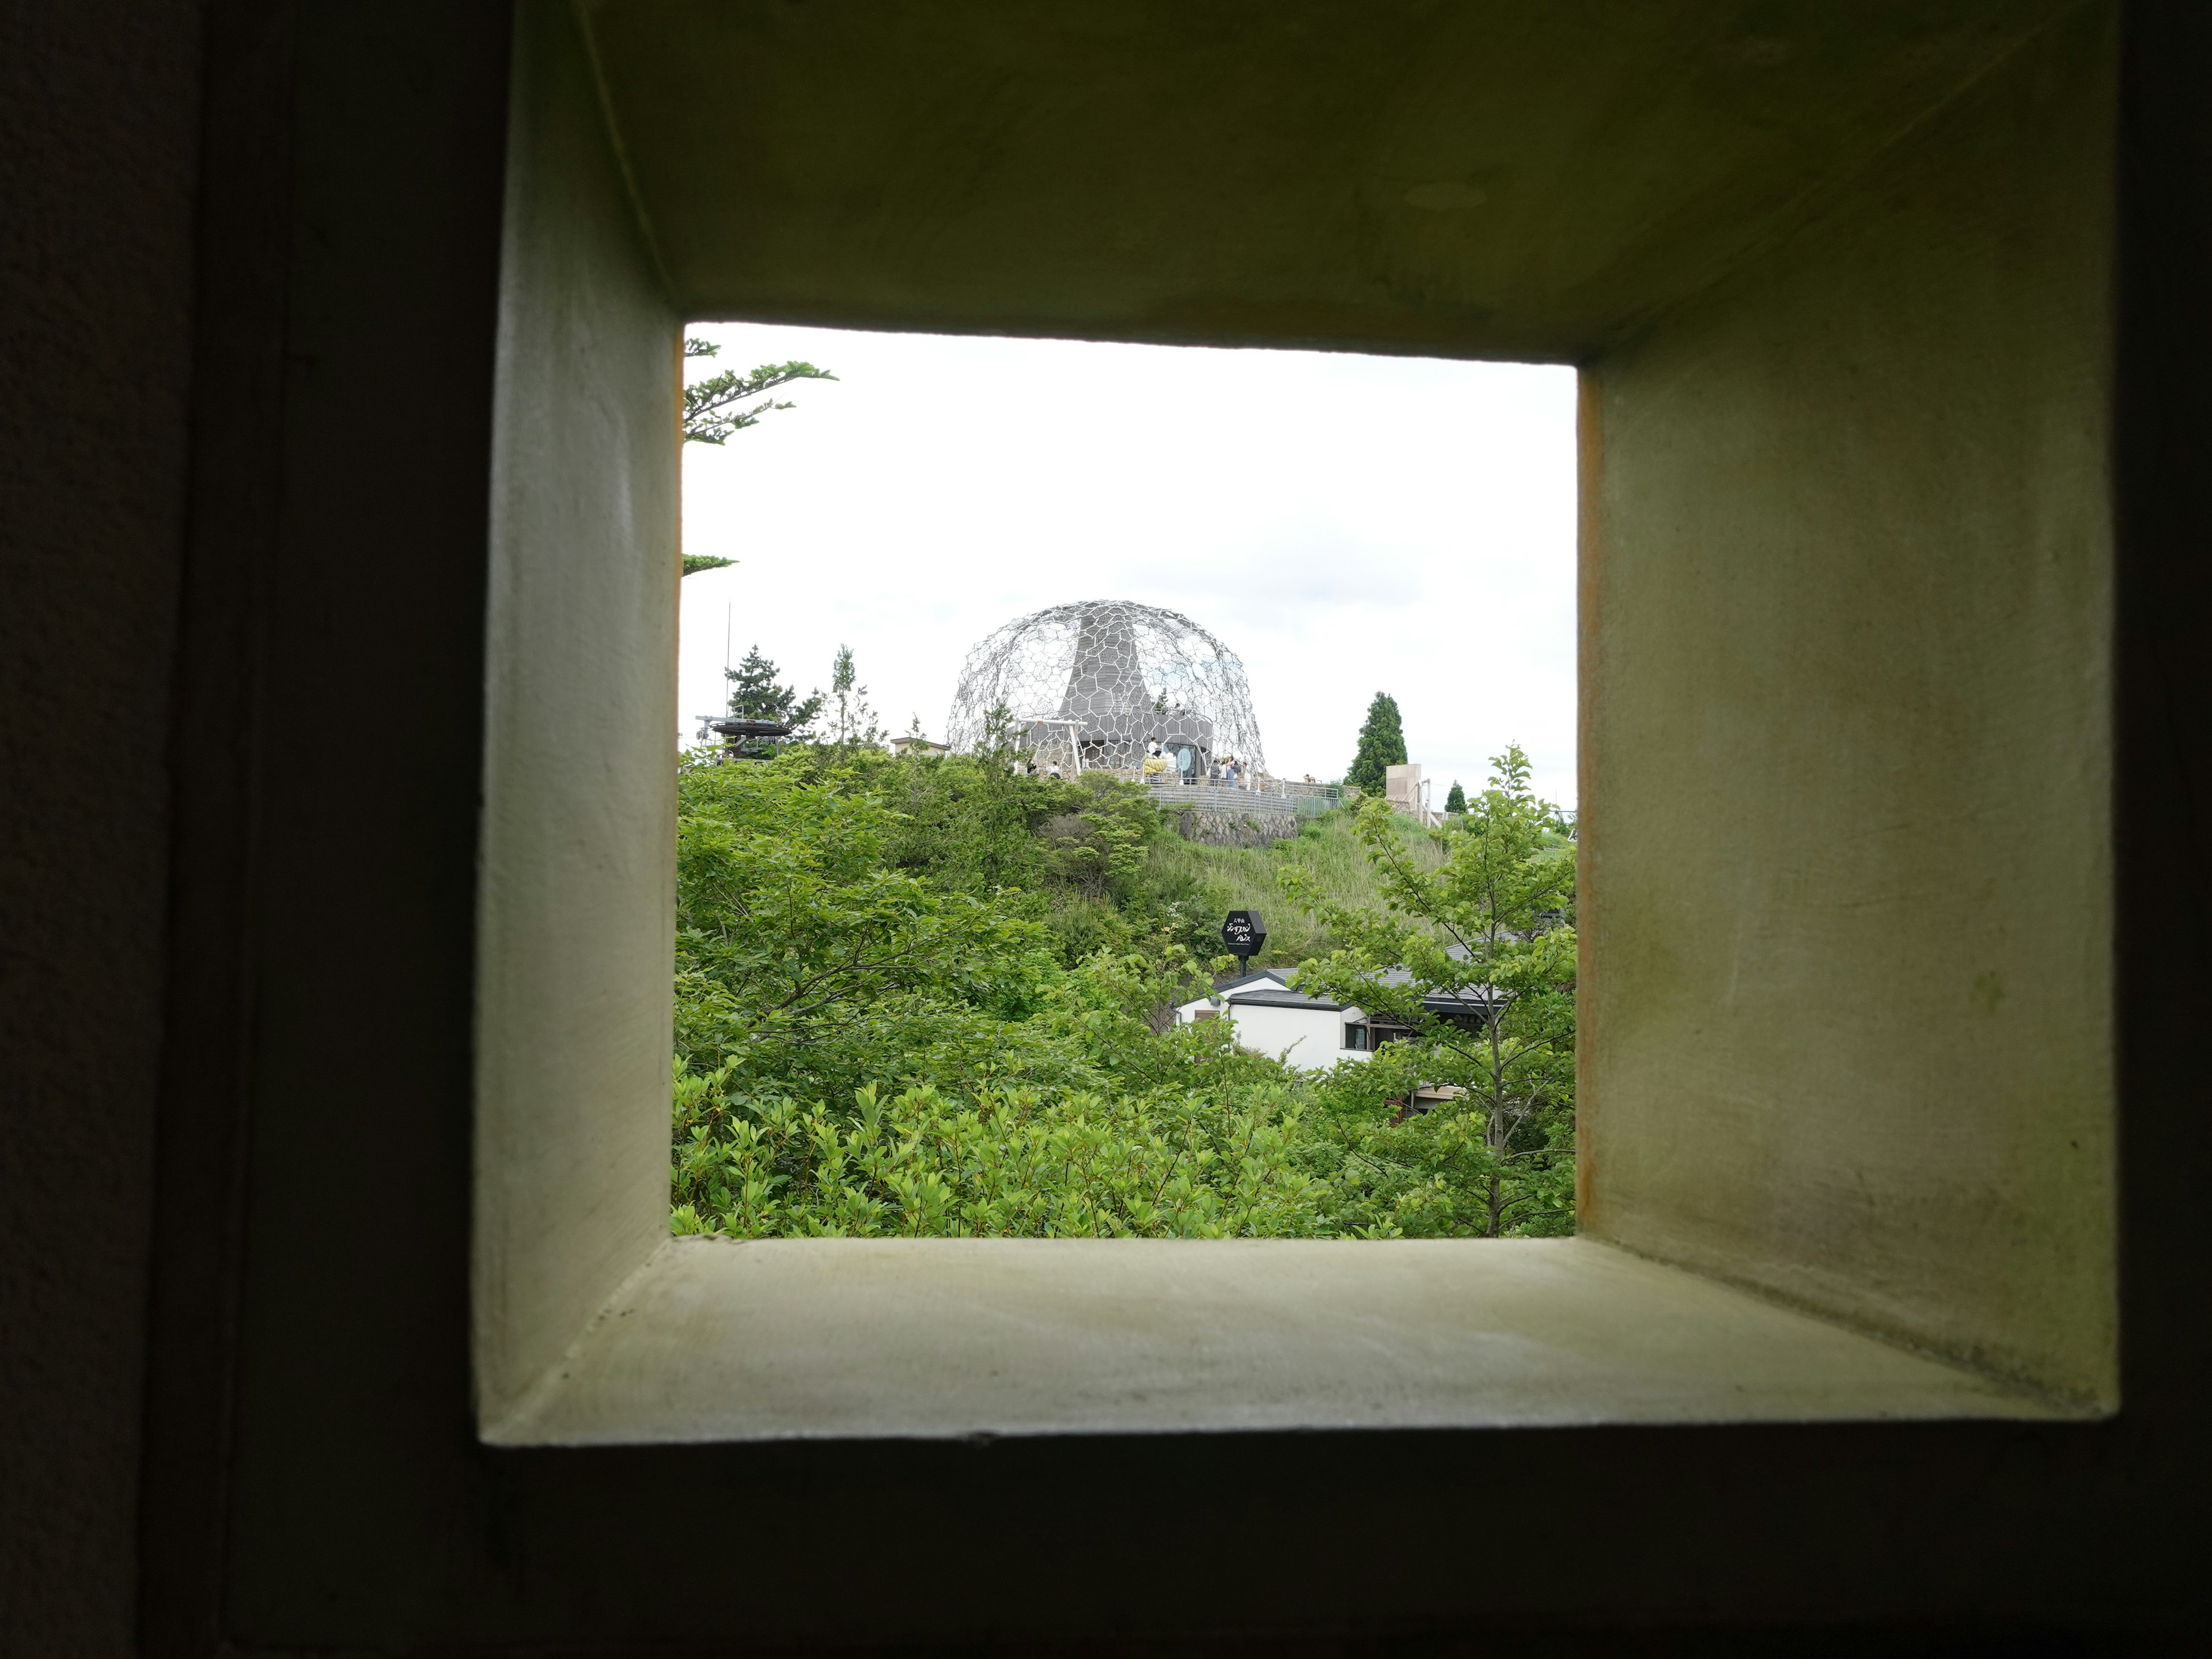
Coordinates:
(754, 695)
(710, 406)
(1455, 801)
(1382, 745)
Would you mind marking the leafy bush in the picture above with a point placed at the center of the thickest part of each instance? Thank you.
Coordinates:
(1004, 1162)
(806, 962)
(928, 996)
(861, 1049)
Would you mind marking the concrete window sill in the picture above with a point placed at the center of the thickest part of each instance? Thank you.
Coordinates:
(874, 1338)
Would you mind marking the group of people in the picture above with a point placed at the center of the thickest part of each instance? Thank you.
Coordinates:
(1225, 771)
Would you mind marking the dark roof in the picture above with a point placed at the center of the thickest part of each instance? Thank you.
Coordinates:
(1275, 975)
(1285, 997)
(1270, 988)
(742, 728)
(1439, 1001)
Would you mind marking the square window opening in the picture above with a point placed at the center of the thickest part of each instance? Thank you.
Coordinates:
(1845, 1088)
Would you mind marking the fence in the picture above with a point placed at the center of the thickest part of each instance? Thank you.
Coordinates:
(1267, 797)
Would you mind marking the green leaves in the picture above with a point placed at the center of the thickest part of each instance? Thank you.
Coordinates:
(1473, 962)
(1013, 1163)
(710, 406)
(808, 962)
(755, 694)
(882, 1029)
(1382, 745)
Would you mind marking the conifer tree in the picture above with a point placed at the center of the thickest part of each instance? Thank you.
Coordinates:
(851, 722)
(755, 696)
(711, 413)
(1382, 745)
(1455, 801)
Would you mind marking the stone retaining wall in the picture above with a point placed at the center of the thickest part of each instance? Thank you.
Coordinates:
(1237, 829)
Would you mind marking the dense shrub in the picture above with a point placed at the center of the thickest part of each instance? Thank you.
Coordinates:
(928, 996)
(1005, 1162)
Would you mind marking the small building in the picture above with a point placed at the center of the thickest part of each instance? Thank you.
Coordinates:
(913, 745)
(1273, 1016)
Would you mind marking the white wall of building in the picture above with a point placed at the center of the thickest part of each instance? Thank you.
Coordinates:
(1311, 1039)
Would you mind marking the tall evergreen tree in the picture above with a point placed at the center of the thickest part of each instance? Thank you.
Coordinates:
(1455, 801)
(1382, 744)
(851, 722)
(755, 696)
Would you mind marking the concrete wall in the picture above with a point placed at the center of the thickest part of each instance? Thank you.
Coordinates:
(1847, 877)
(1312, 1039)
(577, 891)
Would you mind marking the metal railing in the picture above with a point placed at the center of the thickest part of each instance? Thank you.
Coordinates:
(1272, 796)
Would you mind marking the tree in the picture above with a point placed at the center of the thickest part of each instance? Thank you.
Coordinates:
(710, 414)
(1475, 961)
(806, 957)
(755, 696)
(1382, 745)
(860, 1050)
(852, 723)
(1455, 801)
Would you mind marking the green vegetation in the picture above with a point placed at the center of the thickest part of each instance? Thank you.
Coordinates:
(1382, 745)
(755, 694)
(1486, 948)
(1455, 801)
(711, 411)
(929, 996)
(1327, 859)
(847, 721)
(877, 1032)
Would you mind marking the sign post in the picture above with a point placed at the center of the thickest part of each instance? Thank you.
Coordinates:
(1243, 934)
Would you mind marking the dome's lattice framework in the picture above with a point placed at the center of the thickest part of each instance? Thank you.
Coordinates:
(1097, 682)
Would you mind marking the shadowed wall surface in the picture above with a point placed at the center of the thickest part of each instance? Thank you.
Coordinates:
(575, 1004)
(1511, 180)
(1848, 672)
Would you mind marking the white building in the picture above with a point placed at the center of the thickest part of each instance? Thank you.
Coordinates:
(1311, 1033)
(1274, 1017)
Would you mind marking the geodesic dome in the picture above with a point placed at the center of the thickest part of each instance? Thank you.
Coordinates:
(1097, 683)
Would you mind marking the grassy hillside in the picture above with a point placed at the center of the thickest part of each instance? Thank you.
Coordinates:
(1225, 878)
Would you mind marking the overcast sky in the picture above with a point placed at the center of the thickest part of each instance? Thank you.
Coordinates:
(1345, 524)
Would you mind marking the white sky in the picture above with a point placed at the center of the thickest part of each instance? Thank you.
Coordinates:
(1345, 524)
